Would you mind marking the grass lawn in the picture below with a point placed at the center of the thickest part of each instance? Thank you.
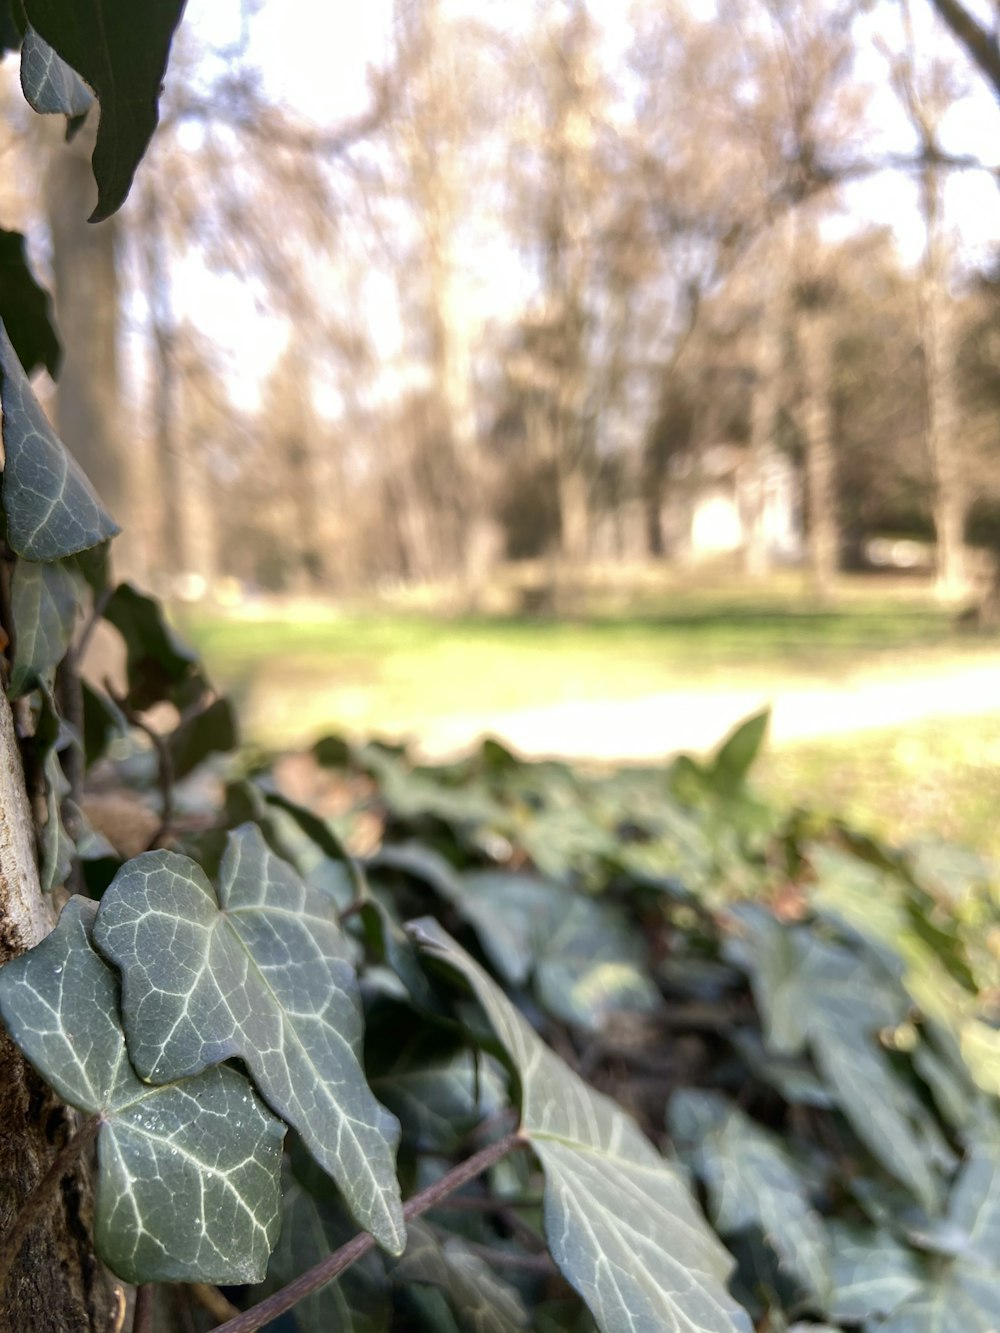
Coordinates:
(298, 672)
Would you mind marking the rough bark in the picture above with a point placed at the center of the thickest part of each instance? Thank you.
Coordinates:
(56, 1284)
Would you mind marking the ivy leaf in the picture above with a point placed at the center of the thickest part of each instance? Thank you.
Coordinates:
(357, 1302)
(441, 1097)
(57, 848)
(872, 1273)
(188, 1176)
(26, 308)
(811, 992)
(752, 1181)
(260, 971)
(481, 1302)
(211, 730)
(158, 664)
(10, 33)
(585, 962)
(48, 83)
(102, 721)
(121, 51)
(620, 1223)
(963, 1292)
(52, 509)
(734, 758)
(46, 600)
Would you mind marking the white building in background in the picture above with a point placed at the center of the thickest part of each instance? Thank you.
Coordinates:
(711, 498)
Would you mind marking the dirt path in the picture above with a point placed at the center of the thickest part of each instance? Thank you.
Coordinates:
(696, 719)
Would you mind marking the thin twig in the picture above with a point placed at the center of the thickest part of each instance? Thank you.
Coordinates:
(335, 1263)
(41, 1197)
(164, 765)
(212, 1300)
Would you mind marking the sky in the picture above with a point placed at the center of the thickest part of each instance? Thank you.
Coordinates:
(314, 59)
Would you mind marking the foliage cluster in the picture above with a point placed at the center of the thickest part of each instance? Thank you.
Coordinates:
(798, 1027)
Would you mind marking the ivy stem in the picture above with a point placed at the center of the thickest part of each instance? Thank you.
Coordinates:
(142, 1318)
(40, 1198)
(334, 1264)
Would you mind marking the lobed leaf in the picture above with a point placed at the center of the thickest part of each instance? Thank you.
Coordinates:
(962, 1292)
(52, 509)
(814, 993)
(872, 1273)
(752, 1181)
(46, 601)
(188, 1174)
(158, 665)
(620, 1222)
(120, 49)
(481, 1302)
(260, 971)
(359, 1301)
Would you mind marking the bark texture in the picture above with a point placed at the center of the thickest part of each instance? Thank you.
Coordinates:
(56, 1284)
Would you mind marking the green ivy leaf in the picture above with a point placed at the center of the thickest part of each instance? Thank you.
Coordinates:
(121, 51)
(312, 1228)
(158, 664)
(481, 1302)
(585, 962)
(26, 308)
(46, 601)
(752, 1181)
(620, 1223)
(52, 509)
(102, 721)
(49, 85)
(211, 730)
(10, 32)
(260, 971)
(814, 993)
(729, 769)
(57, 849)
(188, 1179)
(963, 1292)
(872, 1273)
(440, 1097)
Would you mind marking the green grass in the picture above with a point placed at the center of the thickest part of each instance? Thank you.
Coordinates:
(295, 676)
(930, 780)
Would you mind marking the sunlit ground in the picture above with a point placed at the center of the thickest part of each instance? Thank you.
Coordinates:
(884, 711)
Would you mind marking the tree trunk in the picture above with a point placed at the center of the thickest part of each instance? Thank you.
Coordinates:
(86, 290)
(817, 427)
(942, 432)
(56, 1284)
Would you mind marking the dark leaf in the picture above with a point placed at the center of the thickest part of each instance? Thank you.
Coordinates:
(261, 971)
(46, 602)
(26, 308)
(188, 1180)
(52, 509)
(480, 1301)
(210, 731)
(159, 665)
(121, 51)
